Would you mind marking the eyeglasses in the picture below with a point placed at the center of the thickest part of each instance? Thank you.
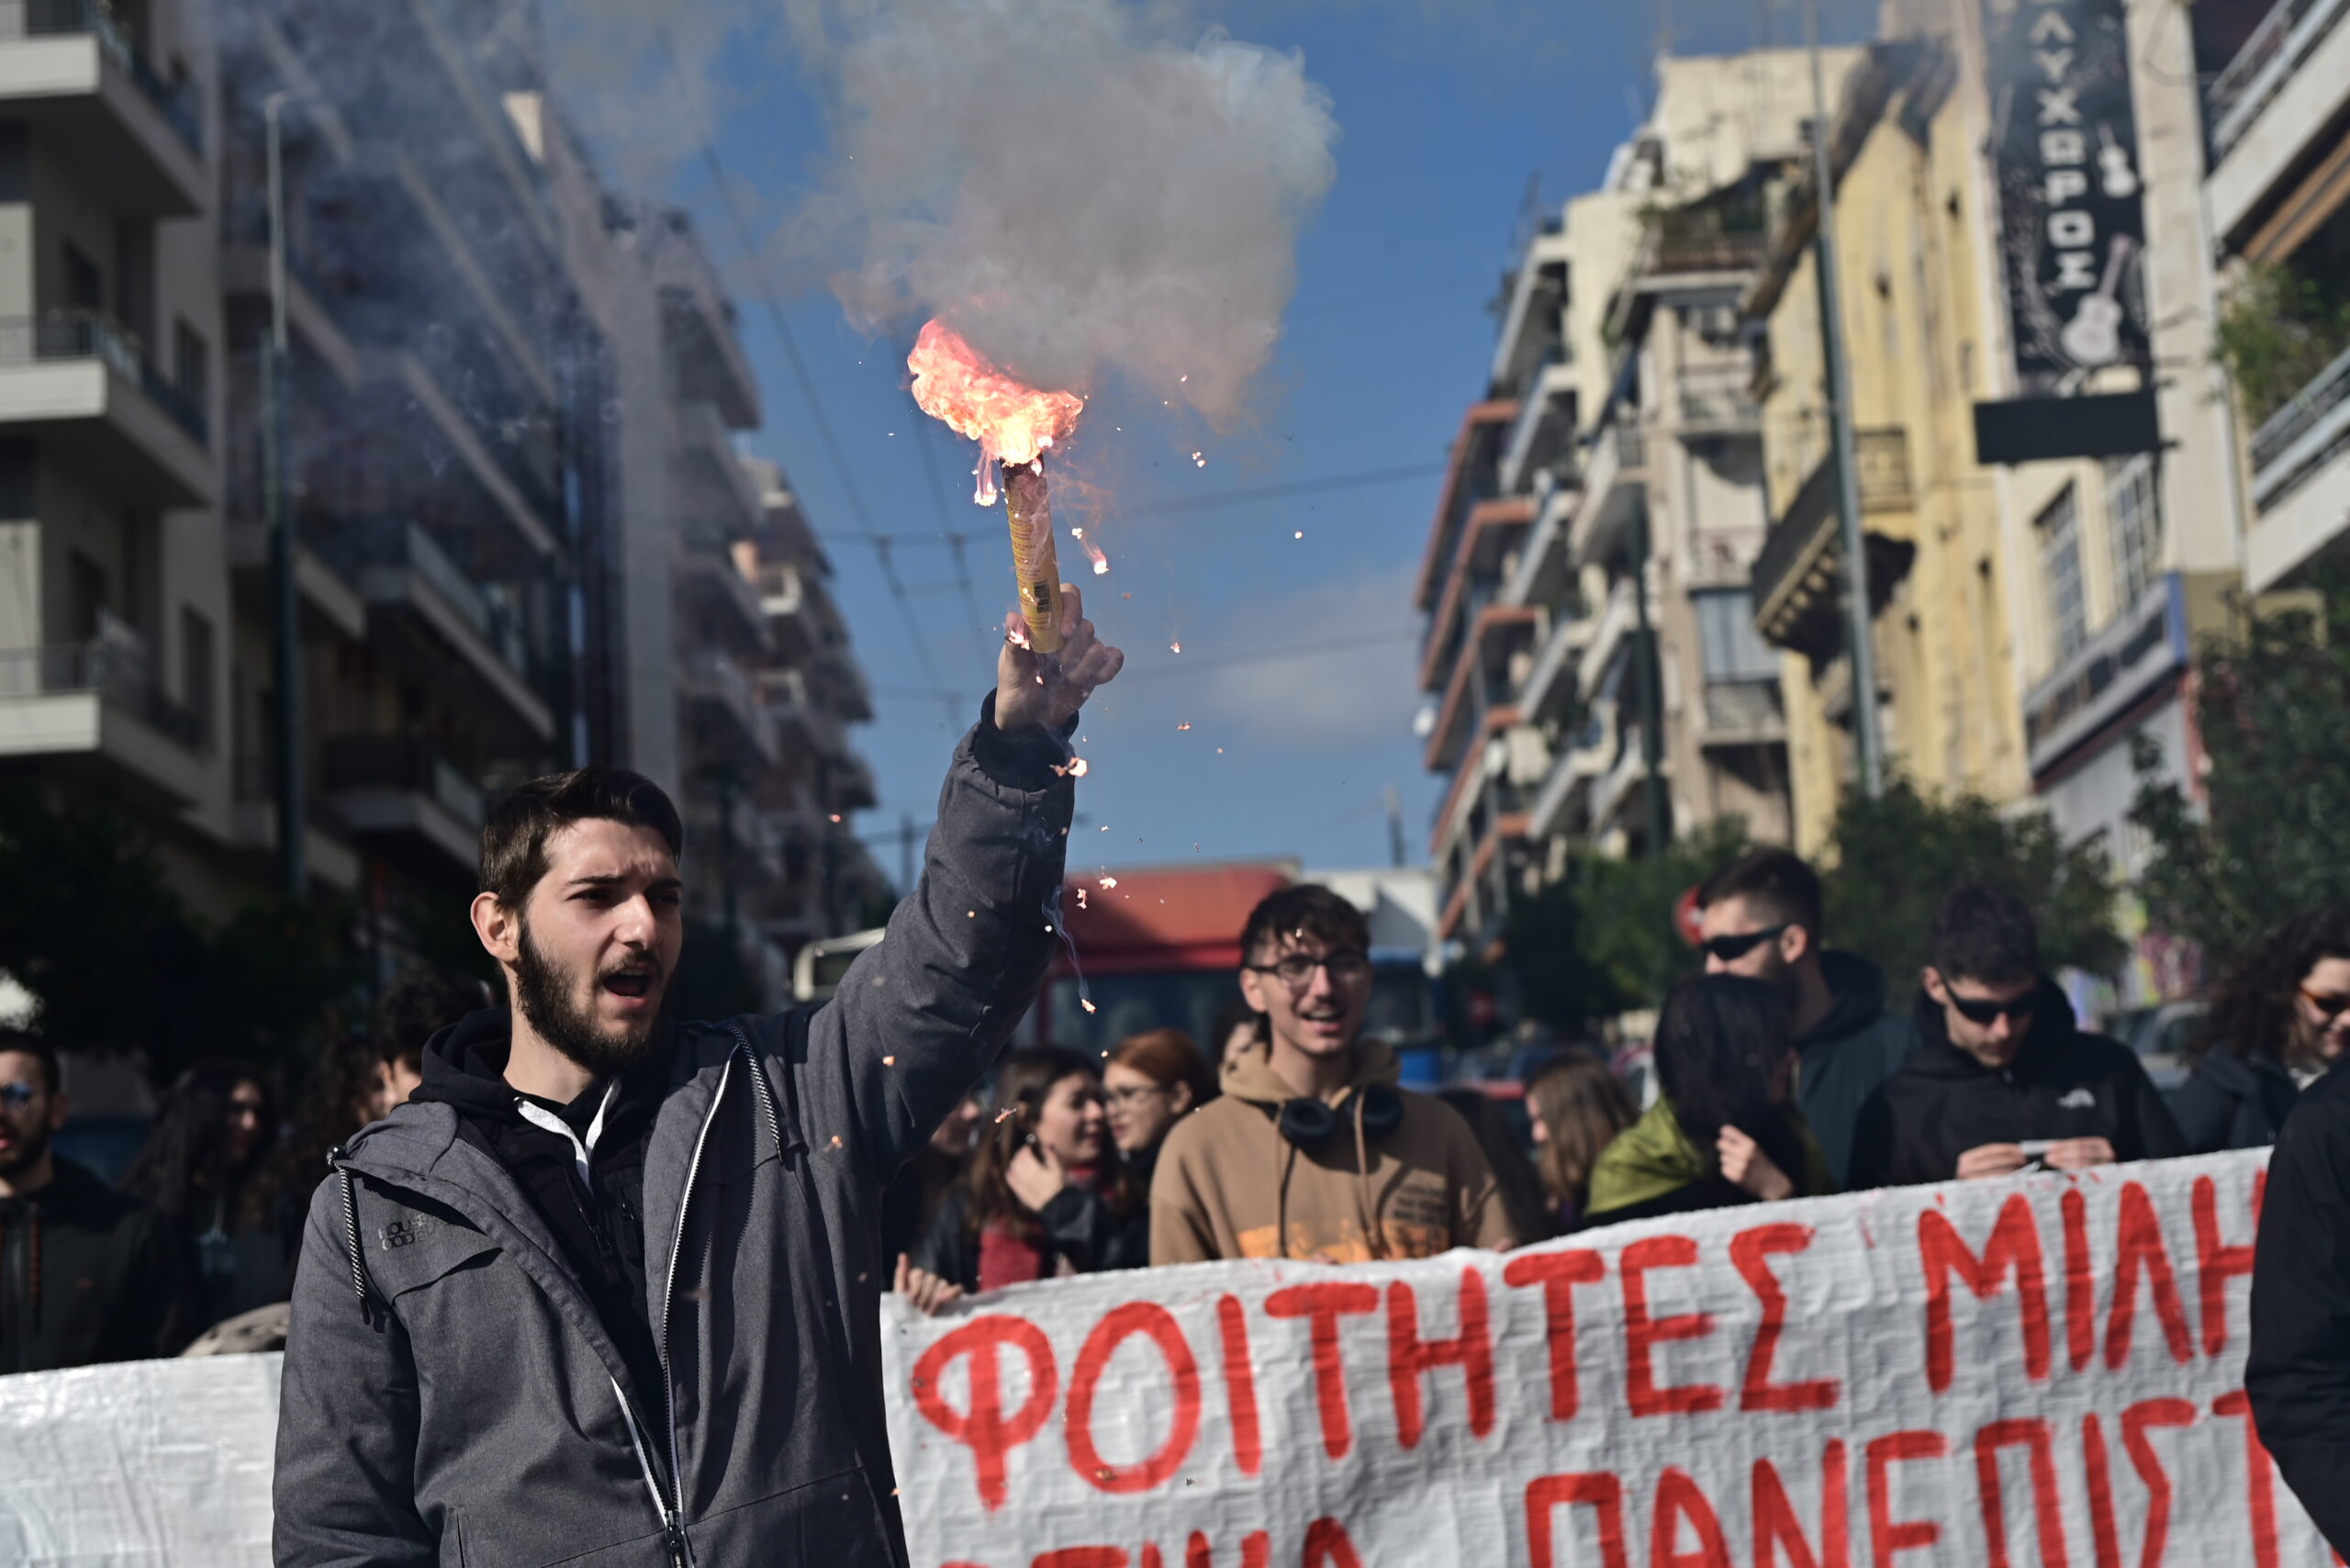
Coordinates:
(17, 1097)
(1296, 970)
(2328, 1007)
(1985, 1012)
(1131, 1092)
(1729, 949)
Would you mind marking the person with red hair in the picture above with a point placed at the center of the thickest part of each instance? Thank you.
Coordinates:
(1152, 1081)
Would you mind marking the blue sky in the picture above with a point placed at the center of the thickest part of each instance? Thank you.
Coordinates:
(1296, 676)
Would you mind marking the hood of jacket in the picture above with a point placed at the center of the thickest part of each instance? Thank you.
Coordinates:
(2053, 1028)
(1645, 1161)
(1249, 1073)
(2242, 1076)
(464, 1066)
(1856, 992)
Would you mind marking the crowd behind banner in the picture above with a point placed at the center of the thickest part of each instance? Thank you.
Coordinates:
(1786, 1069)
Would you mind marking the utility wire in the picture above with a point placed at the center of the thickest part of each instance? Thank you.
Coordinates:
(1266, 656)
(925, 437)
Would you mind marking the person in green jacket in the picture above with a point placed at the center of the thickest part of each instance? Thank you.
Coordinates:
(1725, 1129)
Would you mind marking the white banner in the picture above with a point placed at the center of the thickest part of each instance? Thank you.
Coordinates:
(2043, 1372)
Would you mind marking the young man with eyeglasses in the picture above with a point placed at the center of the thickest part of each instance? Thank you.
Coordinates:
(85, 1276)
(1761, 917)
(1311, 1151)
(2006, 1079)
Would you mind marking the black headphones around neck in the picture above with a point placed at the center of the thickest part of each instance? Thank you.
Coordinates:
(1309, 1123)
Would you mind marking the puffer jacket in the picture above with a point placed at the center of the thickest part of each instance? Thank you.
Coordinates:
(2234, 1102)
(1847, 1054)
(450, 1394)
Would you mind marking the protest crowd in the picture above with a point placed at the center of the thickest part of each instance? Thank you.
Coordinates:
(468, 1159)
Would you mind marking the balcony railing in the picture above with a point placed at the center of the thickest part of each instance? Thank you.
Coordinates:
(176, 102)
(2302, 433)
(117, 670)
(351, 545)
(1744, 708)
(407, 764)
(74, 333)
(1718, 395)
(2261, 67)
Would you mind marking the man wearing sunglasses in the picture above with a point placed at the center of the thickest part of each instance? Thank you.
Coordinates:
(1760, 917)
(84, 1275)
(2006, 1079)
(1311, 1151)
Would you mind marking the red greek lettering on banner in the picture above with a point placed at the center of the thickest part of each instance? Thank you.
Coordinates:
(2140, 1253)
(1888, 1535)
(2047, 1510)
(2260, 1483)
(1255, 1548)
(2103, 1533)
(2080, 1282)
(1083, 1557)
(1240, 1385)
(1157, 1325)
(2136, 1422)
(2216, 1264)
(1679, 1501)
(1327, 1546)
(1559, 1273)
(2013, 1248)
(1411, 1358)
(983, 1425)
(1643, 1334)
(1750, 1251)
(1598, 1490)
(1322, 1304)
(1778, 1529)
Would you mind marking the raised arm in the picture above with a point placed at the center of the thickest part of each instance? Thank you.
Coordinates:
(918, 1018)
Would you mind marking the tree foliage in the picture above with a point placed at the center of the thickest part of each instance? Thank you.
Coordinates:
(2280, 328)
(2271, 705)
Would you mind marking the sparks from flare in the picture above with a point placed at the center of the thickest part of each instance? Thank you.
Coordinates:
(1013, 424)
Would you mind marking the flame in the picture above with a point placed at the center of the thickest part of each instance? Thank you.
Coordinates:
(1012, 423)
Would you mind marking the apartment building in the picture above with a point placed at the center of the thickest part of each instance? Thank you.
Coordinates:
(2030, 622)
(1591, 672)
(523, 533)
(2277, 195)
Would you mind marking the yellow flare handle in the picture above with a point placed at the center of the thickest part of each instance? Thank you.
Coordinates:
(1030, 512)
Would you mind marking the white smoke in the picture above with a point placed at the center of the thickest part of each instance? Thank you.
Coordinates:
(1072, 187)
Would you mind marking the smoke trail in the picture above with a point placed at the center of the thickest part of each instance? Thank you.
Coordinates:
(1070, 187)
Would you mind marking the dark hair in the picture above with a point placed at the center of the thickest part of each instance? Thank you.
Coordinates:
(1168, 1057)
(514, 840)
(1718, 1041)
(1514, 1178)
(421, 1001)
(2252, 1008)
(1985, 933)
(1582, 1106)
(1777, 884)
(335, 1102)
(40, 1050)
(1021, 1081)
(1228, 1017)
(186, 1150)
(1303, 908)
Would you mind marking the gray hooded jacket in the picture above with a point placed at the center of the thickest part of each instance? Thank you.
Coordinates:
(449, 1396)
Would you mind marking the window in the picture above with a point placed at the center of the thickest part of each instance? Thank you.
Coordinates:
(85, 287)
(2059, 528)
(2133, 512)
(191, 360)
(1733, 649)
(195, 669)
(86, 603)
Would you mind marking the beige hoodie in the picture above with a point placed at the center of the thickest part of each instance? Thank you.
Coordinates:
(1229, 1185)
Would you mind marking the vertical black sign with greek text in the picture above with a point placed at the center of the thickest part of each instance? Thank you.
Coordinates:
(2072, 229)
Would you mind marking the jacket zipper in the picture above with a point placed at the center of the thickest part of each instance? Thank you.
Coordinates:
(673, 1519)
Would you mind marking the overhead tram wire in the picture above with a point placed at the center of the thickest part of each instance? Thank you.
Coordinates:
(1188, 666)
(950, 701)
(924, 438)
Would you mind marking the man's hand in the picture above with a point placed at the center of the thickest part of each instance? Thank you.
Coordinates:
(1991, 1159)
(1745, 1165)
(1044, 690)
(1035, 1177)
(923, 1291)
(2078, 1153)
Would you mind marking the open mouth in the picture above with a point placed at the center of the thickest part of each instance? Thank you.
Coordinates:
(629, 984)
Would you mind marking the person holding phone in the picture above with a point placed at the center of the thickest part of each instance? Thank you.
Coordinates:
(2006, 1078)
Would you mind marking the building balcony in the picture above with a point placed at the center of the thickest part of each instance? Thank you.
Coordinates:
(703, 328)
(1509, 629)
(332, 607)
(521, 500)
(1538, 291)
(806, 727)
(1544, 575)
(85, 388)
(1610, 636)
(2275, 101)
(1561, 803)
(438, 625)
(2301, 474)
(99, 700)
(719, 596)
(1468, 479)
(403, 790)
(133, 141)
(1743, 713)
(730, 721)
(1798, 578)
(1717, 400)
(718, 488)
(1614, 495)
(1550, 685)
(1541, 439)
(327, 852)
(2108, 676)
(1619, 792)
(1494, 528)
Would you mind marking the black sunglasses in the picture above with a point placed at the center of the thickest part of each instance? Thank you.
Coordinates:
(1729, 949)
(1987, 1012)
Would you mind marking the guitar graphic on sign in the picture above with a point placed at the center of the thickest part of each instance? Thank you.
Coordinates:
(2119, 180)
(2093, 337)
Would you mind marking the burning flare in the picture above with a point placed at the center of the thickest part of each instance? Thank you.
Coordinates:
(1012, 423)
